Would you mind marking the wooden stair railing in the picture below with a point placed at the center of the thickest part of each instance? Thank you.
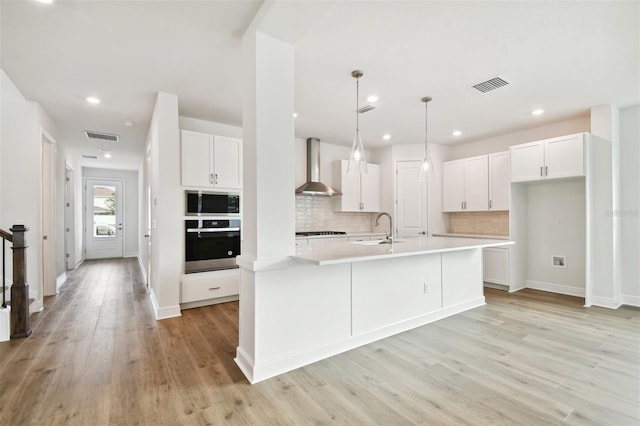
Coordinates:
(19, 288)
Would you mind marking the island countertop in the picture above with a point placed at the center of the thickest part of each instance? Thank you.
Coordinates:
(333, 253)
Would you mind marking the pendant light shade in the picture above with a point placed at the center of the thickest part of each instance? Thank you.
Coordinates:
(357, 158)
(426, 166)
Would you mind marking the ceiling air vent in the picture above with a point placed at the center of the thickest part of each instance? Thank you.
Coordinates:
(93, 157)
(489, 85)
(366, 108)
(101, 136)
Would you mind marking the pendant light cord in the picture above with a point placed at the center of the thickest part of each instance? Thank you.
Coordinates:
(426, 115)
(357, 104)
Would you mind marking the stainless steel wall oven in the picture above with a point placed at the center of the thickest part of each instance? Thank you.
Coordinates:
(211, 244)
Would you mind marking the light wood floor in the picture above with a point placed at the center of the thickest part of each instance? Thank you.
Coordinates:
(97, 356)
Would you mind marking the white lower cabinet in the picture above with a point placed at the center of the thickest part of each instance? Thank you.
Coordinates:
(496, 265)
(392, 290)
(207, 288)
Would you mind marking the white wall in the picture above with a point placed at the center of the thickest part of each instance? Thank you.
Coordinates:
(503, 142)
(130, 214)
(555, 226)
(20, 181)
(630, 204)
(167, 207)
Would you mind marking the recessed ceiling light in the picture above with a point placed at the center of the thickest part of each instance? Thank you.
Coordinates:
(106, 153)
(372, 98)
(537, 112)
(45, 1)
(386, 137)
(295, 115)
(456, 133)
(93, 100)
(129, 123)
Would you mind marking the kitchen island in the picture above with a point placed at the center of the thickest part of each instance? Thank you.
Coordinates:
(333, 297)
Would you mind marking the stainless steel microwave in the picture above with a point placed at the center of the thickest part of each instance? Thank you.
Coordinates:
(199, 203)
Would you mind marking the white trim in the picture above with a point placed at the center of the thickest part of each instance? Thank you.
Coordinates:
(208, 302)
(131, 254)
(605, 302)
(36, 306)
(60, 280)
(555, 288)
(269, 264)
(163, 313)
(265, 370)
(631, 300)
(5, 324)
(143, 270)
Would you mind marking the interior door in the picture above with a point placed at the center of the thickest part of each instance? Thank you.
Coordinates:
(48, 216)
(69, 220)
(103, 222)
(411, 211)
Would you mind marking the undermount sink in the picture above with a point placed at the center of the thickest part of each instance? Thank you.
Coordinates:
(374, 242)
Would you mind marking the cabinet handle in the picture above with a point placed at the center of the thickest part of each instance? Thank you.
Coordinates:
(540, 171)
(461, 205)
(214, 288)
(546, 170)
(215, 179)
(211, 178)
(489, 203)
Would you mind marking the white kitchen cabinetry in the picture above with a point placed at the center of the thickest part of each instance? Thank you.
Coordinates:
(211, 161)
(360, 191)
(207, 288)
(548, 159)
(496, 265)
(465, 184)
(499, 181)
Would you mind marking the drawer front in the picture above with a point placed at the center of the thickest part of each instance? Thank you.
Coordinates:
(210, 285)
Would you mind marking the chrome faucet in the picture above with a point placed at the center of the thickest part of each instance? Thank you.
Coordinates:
(390, 234)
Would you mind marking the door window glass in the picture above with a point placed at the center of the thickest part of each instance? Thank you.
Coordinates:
(104, 211)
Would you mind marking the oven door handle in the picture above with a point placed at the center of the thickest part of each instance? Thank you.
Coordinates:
(212, 229)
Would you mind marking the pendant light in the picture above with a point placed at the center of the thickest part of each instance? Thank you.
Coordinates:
(427, 165)
(357, 159)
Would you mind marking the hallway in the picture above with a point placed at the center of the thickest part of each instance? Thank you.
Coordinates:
(97, 356)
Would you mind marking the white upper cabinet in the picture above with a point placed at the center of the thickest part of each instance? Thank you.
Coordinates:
(211, 161)
(499, 181)
(466, 184)
(360, 192)
(548, 159)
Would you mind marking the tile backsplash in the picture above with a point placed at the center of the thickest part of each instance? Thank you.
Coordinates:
(487, 223)
(317, 214)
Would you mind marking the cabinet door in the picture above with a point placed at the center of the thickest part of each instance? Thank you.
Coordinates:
(496, 265)
(527, 161)
(499, 181)
(197, 153)
(370, 188)
(453, 186)
(476, 184)
(564, 156)
(349, 185)
(411, 200)
(227, 160)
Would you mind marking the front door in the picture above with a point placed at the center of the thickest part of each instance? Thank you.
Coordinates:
(104, 227)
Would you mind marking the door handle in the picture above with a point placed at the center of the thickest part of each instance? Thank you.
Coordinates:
(45, 237)
(422, 233)
(147, 235)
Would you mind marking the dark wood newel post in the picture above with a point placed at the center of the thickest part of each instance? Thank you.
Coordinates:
(19, 288)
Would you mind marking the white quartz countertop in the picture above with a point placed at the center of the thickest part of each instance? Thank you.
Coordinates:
(347, 235)
(483, 236)
(332, 253)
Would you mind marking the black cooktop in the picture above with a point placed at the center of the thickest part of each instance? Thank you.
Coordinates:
(314, 233)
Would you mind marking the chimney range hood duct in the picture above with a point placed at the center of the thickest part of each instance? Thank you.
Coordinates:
(313, 186)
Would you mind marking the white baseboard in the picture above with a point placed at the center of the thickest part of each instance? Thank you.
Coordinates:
(143, 270)
(262, 370)
(60, 280)
(36, 306)
(555, 288)
(631, 300)
(5, 324)
(131, 254)
(605, 302)
(165, 312)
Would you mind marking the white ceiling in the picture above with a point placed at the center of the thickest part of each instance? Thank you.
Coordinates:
(561, 56)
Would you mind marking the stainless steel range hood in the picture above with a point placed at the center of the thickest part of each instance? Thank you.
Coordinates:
(313, 186)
